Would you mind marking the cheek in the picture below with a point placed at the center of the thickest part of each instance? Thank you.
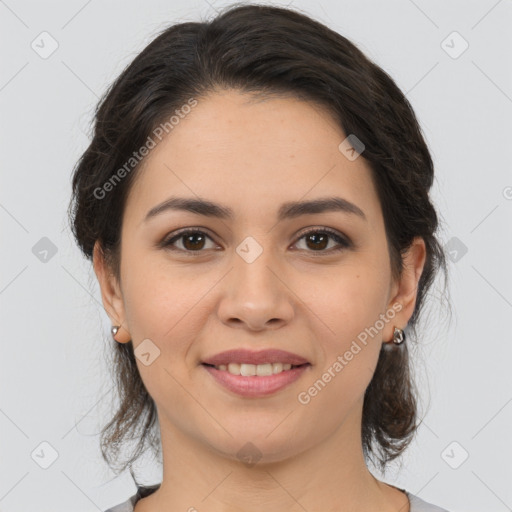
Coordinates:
(170, 307)
(338, 387)
(166, 309)
(347, 301)
(351, 308)
(349, 353)
(156, 295)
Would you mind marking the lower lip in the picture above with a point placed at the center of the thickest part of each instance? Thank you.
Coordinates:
(255, 386)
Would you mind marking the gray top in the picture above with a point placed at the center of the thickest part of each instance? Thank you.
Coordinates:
(417, 504)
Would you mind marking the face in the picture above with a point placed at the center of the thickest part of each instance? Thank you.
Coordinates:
(313, 282)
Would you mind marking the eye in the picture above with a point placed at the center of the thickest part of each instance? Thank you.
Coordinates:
(318, 240)
(194, 240)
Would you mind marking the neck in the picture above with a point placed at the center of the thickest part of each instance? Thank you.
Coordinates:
(330, 476)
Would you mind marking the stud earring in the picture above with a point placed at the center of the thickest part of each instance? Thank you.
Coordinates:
(115, 330)
(398, 336)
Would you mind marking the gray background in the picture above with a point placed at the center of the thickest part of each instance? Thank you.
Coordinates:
(55, 386)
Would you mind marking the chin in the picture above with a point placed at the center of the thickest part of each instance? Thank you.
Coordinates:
(259, 450)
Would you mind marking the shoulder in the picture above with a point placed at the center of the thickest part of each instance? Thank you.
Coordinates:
(419, 505)
(129, 504)
(126, 506)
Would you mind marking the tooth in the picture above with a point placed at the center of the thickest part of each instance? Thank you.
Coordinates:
(277, 367)
(234, 368)
(263, 370)
(247, 370)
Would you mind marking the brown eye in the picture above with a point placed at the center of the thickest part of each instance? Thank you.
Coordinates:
(317, 240)
(191, 241)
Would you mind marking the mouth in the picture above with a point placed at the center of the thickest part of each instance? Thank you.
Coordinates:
(255, 374)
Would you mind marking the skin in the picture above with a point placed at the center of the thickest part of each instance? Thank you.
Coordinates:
(252, 156)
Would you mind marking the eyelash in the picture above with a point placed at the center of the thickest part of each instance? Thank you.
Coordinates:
(343, 242)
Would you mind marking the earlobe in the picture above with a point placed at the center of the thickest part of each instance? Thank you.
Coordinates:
(110, 294)
(120, 334)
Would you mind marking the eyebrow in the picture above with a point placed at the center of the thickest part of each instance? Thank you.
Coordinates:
(289, 210)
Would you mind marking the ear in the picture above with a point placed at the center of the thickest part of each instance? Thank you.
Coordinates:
(404, 291)
(111, 294)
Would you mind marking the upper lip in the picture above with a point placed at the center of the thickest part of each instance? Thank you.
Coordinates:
(255, 357)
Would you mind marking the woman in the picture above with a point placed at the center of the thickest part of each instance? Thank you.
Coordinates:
(255, 201)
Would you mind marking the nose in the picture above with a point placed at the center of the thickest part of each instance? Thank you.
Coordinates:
(256, 295)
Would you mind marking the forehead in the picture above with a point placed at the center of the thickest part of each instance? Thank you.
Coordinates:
(254, 155)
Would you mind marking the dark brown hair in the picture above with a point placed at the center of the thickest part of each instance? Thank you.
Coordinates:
(263, 50)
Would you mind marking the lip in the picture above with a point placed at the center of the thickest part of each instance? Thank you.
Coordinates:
(255, 386)
(241, 356)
